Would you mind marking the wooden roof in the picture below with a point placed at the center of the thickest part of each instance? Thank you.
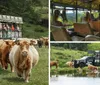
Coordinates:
(88, 4)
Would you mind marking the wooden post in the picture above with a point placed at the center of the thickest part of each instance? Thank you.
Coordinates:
(99, 11)
(76, 12)
(51, 8)
(22, 30)
(90, 6)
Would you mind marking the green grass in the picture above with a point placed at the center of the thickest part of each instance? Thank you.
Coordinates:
(68, 70)
(39, 75)
(34, 31)
(64, 55)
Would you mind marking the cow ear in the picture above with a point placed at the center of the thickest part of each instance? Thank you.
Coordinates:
(18, 43)
(7, 42)
(13, 43)
(31, 42)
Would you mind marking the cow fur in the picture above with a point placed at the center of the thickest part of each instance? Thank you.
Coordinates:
(22, 66)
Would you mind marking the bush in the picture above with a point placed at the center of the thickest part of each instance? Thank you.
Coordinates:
(30, 31)
(39, 29)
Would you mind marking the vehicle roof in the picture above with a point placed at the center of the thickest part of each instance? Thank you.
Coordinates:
(13, 19)
(80, 3)
(85, 57)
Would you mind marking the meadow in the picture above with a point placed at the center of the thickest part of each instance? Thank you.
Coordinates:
(65, 55)
(34, 31)
(39, 75)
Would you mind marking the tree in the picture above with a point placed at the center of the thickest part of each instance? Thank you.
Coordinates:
(78, 46)
(23, 8)
(65, 46)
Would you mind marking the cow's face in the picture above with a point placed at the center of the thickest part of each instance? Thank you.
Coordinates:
(24, 46)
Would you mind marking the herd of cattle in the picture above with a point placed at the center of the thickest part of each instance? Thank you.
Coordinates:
(71, 65)
(21, 54)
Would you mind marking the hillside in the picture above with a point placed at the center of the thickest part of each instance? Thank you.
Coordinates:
(34, 31)
(64, 55)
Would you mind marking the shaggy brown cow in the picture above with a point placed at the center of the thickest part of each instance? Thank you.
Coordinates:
(54, 63)
(46, 43)
(70, 63)
(40, 43)
(5, 47)
(22, 58)
(92, 68)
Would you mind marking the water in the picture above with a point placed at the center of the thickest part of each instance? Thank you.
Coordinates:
(65, 80)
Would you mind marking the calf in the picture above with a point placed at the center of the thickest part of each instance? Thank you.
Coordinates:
(70, 63)
(46, 43)
(92, 68)
(54, 63)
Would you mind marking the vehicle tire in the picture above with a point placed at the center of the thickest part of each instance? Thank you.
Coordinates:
(81, 65)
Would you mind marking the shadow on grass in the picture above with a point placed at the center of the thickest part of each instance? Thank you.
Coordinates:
(11, 78)
(14, 79)
(4, 72)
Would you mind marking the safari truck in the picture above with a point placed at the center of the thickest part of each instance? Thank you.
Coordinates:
(10, 27)
(86, 60)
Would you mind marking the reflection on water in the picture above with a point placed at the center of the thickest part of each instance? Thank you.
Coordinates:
(93, 74)
(83, 74)
(70, 80)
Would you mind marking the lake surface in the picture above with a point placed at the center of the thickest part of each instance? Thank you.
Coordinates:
(65, 80)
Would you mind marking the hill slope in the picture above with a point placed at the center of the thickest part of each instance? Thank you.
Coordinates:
(34, 31)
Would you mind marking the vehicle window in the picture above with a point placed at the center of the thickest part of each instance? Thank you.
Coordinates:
(89, 59)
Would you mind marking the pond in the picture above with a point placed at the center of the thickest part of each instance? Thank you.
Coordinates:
(70, 80)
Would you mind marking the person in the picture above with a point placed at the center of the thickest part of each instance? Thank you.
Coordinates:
(98, 18)
(57, 19)
(92, 17)
(87, 18)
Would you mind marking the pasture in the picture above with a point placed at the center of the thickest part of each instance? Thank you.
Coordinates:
(34, 31)
(39, 75)
(65, 55)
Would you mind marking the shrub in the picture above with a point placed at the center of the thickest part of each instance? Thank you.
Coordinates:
(39, 29)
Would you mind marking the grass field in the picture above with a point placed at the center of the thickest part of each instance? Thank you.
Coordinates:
(64, 55)
(39, 75)
(34, 31)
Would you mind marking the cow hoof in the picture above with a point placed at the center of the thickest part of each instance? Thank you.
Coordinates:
(12, 71)
(26, 81)
(4, 69)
